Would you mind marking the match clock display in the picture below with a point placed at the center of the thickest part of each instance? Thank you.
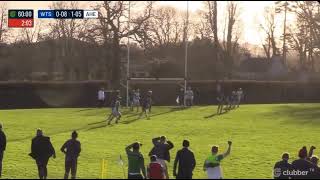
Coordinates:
(22, 18)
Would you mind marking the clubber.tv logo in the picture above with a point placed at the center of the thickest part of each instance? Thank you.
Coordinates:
(277, 172)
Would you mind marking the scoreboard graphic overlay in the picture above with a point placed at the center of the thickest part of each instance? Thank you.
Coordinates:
(24, 18)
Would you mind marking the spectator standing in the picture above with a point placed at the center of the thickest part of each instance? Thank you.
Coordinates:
(3, 145)
(212, 163)
(135, 162)
(71, 149)
(185, 161)
(161, 150)
(41, 151)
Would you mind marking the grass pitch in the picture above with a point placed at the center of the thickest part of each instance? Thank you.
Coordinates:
(260, 134)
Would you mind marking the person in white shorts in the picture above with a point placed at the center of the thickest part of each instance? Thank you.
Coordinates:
(115, 111)
(101, 97)
(136, 99)
(239, 96)
(212, 163)
(189, 97)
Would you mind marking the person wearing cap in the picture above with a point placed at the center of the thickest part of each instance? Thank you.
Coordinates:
(187, 162)
(3, 145)
(135, 162)
(212, 163)
(303, 164)
(282, 166)
(155, 170)
(162, 149)
(41, 151)
(115, 111)
(71, 149)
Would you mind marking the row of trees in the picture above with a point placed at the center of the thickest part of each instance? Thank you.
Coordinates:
(300, 36)
(159, 28)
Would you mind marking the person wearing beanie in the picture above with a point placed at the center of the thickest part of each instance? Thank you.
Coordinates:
(71, 149)
(186, 162)
(281, 167)
(303, 165)
(3, 144)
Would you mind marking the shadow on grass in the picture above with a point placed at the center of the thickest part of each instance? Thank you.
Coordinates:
(216, 114)
(105, 112)
(302, 114)
(49, 134)
(88, 109)
(135, 119)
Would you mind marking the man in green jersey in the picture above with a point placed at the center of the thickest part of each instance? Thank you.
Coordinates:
(212, 163)
(135, 162)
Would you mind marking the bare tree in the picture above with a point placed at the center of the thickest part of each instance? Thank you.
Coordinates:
(269, 26)
(31, 35)
(3, 21)
(113, 28)
(164, 28)
(231, 38)
(305, 39)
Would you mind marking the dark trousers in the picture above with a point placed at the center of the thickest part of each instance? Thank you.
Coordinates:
(42, 167)
(1, 158)
(138, 176)
(101, 103)
(70, 164)
(181, 100)
(184, 177)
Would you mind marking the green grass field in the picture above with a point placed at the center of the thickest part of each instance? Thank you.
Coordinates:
(260, 134)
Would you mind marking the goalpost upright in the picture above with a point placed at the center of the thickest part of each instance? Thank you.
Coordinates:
(159, 79)
(186, 54)
(128, 65)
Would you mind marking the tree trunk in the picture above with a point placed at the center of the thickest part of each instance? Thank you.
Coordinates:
(116, 64)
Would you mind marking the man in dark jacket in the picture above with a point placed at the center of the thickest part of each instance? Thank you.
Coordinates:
(186, 160)
(3, 144)
(161, 150)
(281, 167)
(71, 149)
(303, 165)
(41, 151)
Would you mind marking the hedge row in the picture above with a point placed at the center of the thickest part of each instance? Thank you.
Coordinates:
(83, 94)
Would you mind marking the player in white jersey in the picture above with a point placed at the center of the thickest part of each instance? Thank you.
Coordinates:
(189, 97)
(136, 99)
(239, 96)
(115, 111)
(101, 97)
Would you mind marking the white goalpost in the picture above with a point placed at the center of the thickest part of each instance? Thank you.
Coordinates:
(184, 79)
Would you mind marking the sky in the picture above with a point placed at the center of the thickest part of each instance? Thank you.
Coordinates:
(251, 14)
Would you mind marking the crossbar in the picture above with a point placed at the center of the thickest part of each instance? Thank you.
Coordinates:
(156, 79)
